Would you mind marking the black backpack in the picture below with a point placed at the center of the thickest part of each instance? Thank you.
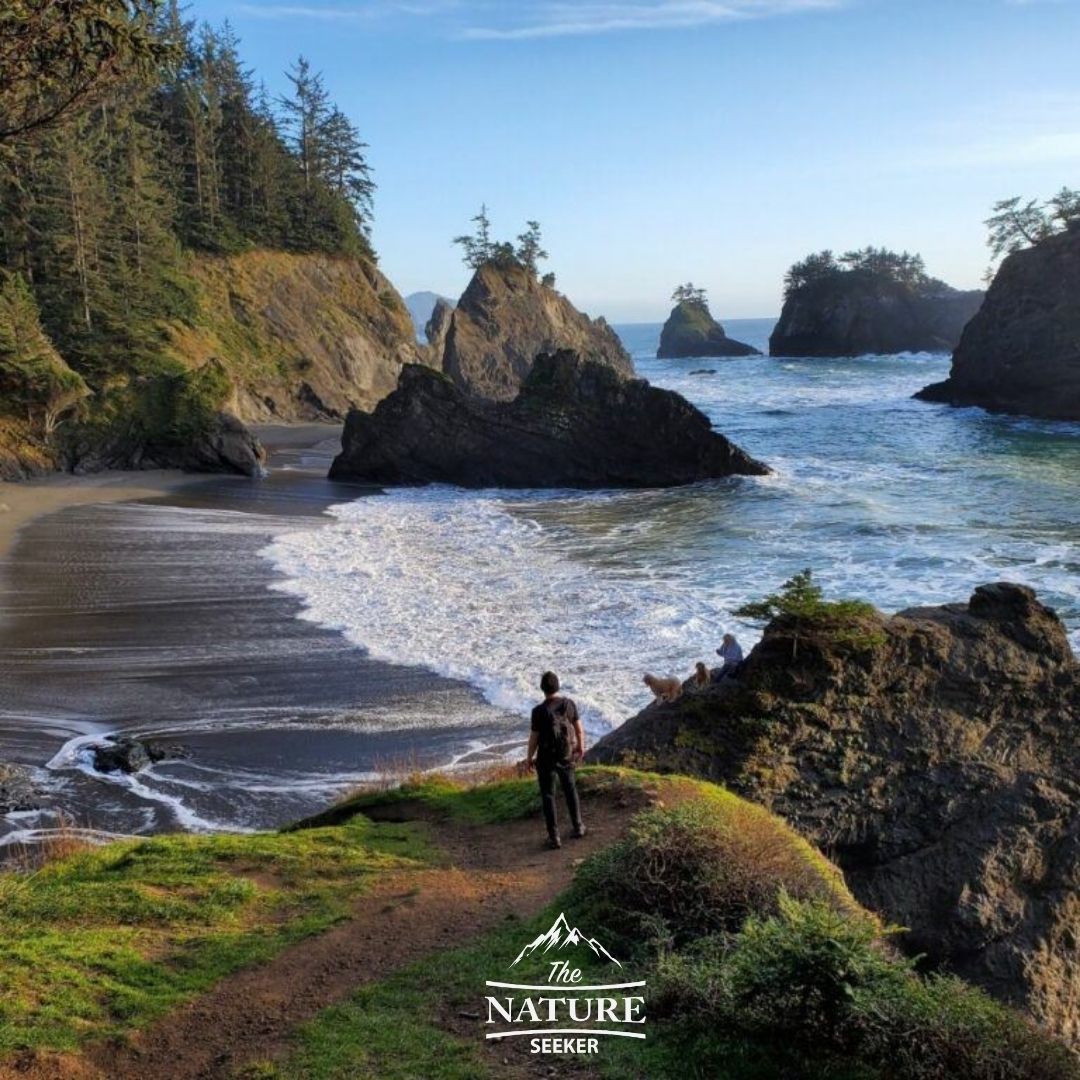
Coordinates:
(563, 736)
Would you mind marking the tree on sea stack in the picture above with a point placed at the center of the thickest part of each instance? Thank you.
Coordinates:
(480, 249)
(801, 601)
(530, 251)
(1015, 225)
(477, 249)
(689, 294)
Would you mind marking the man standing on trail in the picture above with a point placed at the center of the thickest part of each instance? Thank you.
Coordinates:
(556, 744)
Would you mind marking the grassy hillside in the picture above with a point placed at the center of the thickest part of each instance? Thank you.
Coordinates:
(758, 961)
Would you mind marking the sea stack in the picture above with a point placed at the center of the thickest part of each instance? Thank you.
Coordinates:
(1021, 352)
(575, 423)
(691, 331)
(505, 319)
(868, 302)
(934, 754)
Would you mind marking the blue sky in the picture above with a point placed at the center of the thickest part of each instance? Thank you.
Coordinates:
(664, 140)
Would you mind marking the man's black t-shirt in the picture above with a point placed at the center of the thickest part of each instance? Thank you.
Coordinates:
(547, 718)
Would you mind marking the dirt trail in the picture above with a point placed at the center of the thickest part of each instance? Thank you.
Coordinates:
(490, 873)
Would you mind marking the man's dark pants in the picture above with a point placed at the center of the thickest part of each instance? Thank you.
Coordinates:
(546, 771)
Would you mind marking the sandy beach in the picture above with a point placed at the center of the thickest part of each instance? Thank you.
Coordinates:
(22, 502)
(140, 605)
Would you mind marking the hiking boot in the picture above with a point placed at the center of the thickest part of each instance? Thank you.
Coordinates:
(579, 831)
(553, 842)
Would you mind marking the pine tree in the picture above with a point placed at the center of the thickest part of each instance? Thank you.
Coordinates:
(57, 60)
(347, 170)
(530, 251)
(33, 377)
(478, 248)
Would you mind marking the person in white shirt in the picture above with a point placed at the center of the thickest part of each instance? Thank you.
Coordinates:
(732, 655)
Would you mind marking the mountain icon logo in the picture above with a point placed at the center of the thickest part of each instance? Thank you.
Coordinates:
(563, 936)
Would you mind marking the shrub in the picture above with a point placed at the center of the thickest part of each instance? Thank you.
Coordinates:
(801, 607)
(926, 1029)
(821, 983)
(798, 972)
(697, 869)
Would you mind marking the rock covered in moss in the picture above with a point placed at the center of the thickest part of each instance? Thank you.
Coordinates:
(691, 331)
(576, 423)
(935, 756)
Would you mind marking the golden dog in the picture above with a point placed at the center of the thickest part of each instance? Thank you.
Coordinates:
(663, 689)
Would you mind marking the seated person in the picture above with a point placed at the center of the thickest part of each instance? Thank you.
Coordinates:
(732, 655)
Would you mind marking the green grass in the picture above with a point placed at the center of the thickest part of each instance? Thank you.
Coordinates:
(801, 988)
(101, 942)
(479, 804)
(106, 940)
(397, 1029)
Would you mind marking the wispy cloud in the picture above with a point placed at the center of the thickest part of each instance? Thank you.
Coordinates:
(492, 20)
(377, 9)
(556, 19)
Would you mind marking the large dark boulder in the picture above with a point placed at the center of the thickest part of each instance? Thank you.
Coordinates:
(691, 331)
(221, 444)
(852, 313)
(935, 755)
(576, 423)
(124, 754)
(1021, 352)
(505, 319)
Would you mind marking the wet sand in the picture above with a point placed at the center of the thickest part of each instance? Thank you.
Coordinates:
(22, 502)
(157, 618)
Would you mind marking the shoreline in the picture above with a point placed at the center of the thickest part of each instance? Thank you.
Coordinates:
(22, 502)
(157, 618)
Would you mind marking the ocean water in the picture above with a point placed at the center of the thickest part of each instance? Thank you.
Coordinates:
(887, 499)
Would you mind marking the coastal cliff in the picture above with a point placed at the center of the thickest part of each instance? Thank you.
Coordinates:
(505, 319)
(302, 337)
(934, 755)
(1021, 352)
(871, 302)
(691, 331)
(267, 336)
(576, 422)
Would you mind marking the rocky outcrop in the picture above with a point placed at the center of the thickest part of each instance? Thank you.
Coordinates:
(222, 444)
(505, 319)
(438, 326)
(1021, 352)
(855, 314)
(935, 755)
(302, 337)
(576, 423)
(422, 306)
(691, 331)
(123, 754)
(17, 789)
